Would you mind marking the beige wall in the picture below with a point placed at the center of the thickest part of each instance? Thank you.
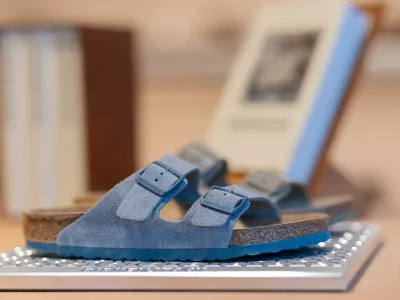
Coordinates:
(143, 11)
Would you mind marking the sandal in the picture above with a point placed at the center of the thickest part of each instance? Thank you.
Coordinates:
(126, 222)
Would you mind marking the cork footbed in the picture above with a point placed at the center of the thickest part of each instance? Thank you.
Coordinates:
(44, 225)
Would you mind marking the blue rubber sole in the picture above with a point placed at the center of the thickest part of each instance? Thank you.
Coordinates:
(181, 254)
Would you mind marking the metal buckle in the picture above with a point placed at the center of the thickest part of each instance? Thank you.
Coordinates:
(153, 187)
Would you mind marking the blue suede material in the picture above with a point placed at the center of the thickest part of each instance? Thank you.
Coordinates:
(219, 206)
(219, 199)
(156, 184)
(212, 167)
(158, 178)
(122, 219)
(270, 184)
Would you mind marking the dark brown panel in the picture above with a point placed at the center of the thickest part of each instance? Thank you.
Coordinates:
(109, 86)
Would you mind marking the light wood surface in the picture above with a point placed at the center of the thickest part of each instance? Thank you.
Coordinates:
(381, 278)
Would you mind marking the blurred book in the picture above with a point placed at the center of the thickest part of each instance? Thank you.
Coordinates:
(287, 85)
(60, 147)
(68, 112)
(17, 86)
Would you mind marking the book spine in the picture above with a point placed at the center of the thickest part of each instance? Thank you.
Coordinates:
(72, 131)
(16, 88)
(35, 121)
(48, 158)
(109, 93)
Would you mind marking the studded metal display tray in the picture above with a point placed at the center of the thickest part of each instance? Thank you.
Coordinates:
(333, 265)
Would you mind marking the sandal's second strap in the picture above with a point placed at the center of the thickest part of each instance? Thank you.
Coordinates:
(222, 205)
(213, 168)
(276, 188)
(159, 182)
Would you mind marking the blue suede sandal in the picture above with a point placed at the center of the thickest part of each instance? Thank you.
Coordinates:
(291, 197)
(126, 222)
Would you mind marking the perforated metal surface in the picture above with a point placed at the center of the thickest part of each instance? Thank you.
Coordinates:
(338, 259)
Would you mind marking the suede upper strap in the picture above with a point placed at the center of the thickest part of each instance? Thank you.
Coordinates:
(212, 167)
(221, 205)
(159, 182)
(269, 183)
(276, 188)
